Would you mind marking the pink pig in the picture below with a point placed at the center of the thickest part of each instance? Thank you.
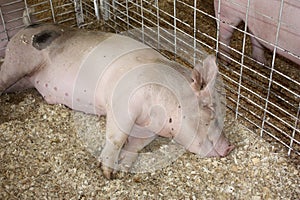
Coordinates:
(263, 21)
(142, 93)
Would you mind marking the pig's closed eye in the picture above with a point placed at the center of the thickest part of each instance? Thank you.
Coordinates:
(211, 111)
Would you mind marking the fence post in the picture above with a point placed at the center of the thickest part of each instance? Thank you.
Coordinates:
(78, 12)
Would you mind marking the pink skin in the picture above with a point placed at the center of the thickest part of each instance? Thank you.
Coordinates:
(262, 23)
(142, 100)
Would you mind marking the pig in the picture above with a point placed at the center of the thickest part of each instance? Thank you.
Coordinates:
(15, 17)
(142, 93)
(262, 22)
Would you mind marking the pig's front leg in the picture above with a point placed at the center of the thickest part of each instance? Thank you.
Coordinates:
(258, 52)
(227, 24)
(115, 139)
(133, 145)
(226, 32)
(20, 85)
(9, 75)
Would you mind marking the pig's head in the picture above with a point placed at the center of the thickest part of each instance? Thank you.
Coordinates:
(28, 50)
(210, 141)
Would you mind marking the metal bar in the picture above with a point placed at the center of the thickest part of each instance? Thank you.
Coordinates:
(78, 12)
(127, 15)
(175, 28)
(52, 11)
(4, 24)
(294, 130)
(242, 59)
(96, 7)
(143, 23)
(195, 32)
(218, 28)
(272, 67)
(157, 23)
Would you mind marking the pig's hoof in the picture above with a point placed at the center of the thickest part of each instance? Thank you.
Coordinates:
(124, 167)
(126, 161)
(107, 171)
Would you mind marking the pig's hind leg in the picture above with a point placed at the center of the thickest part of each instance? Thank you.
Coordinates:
(258, 52)
(142, 137)
(227, 24)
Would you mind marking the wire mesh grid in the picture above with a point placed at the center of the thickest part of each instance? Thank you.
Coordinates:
(264, 97)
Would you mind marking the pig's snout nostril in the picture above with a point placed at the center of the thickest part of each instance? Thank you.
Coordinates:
(229, 149)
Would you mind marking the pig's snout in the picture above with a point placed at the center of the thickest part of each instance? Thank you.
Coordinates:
(221, 148)
(220, 152)
(216, 147)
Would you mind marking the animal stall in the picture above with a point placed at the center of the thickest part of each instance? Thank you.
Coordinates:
(51, 151)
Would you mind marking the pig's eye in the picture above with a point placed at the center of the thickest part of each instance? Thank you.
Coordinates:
(211, 111)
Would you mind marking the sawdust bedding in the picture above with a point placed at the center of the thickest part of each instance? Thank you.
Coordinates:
(42, 156)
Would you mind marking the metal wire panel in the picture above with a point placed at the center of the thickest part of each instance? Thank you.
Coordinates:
(11, 13)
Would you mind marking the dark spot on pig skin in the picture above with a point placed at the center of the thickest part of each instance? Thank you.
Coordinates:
(170, 120)
(179, 107)
(55, 88)
(46, 85)
(66, 94)
(43, 39)
(37, 82)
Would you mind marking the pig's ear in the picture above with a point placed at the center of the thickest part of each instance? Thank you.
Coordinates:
(43, 39)
(210, 70)
(209, 74)
(196, 83)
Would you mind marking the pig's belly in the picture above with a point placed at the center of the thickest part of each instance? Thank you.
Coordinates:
(74, 84)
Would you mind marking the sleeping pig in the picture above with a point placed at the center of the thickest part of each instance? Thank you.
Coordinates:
(142, 93)
(263, 21)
